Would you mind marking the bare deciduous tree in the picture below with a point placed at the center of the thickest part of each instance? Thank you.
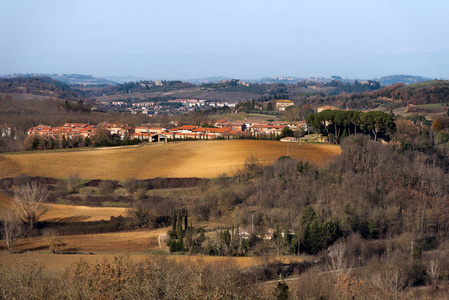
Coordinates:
(53, 241)
(28, 200)
(12, 228)
(337, 260)
(162, 239)
(433, 270)
(73, 183)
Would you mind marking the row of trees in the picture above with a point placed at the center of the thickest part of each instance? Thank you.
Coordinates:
(102, 138)
(347, 122)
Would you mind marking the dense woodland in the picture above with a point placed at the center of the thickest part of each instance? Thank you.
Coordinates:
(44, 86)
(397, 95)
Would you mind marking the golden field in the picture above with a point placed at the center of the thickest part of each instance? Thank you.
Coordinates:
(73, 213)
(204, 159)
(77, 213)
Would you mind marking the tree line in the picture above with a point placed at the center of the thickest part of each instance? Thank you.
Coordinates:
(337, 124)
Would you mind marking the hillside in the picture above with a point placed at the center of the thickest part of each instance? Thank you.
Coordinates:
(426, 92)
(70, 79)
(405, 79)
(38, 85)
(177, 159)
(397, 95)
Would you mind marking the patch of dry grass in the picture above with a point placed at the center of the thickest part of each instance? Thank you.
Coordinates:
(60, 212)
(59, 262)
(203, 159)
(138, 241)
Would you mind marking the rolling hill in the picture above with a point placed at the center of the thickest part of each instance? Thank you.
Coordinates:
(203, 159)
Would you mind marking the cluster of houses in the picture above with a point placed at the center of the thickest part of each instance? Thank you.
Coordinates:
(156, 107)
(222, 129)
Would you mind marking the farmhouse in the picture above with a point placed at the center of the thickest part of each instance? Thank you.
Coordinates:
(281, 105)
(239, 126)
(267, 129)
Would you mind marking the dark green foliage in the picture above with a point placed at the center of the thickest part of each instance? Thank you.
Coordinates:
(308, 216)
(179, 233)
(342, 123)
(286, 132)
(443, 137)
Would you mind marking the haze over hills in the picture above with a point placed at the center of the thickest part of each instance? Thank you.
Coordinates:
(82, 79)
(71, 79)
(405, 79)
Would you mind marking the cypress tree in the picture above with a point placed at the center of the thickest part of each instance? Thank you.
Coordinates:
(202, 235)
(179, 233)
(173, 221)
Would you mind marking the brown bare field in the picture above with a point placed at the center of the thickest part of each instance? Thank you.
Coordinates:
(138, 241)
(60, 262)
(205, 159)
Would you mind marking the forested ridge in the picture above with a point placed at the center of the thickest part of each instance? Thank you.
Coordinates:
(436, 91)
(44, 86)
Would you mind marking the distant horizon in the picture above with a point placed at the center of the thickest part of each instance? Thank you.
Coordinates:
(139, 78)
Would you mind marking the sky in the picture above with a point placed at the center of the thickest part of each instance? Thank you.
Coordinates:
(245, 39)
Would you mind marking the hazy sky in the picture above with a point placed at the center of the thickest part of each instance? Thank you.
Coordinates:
(184, 39)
